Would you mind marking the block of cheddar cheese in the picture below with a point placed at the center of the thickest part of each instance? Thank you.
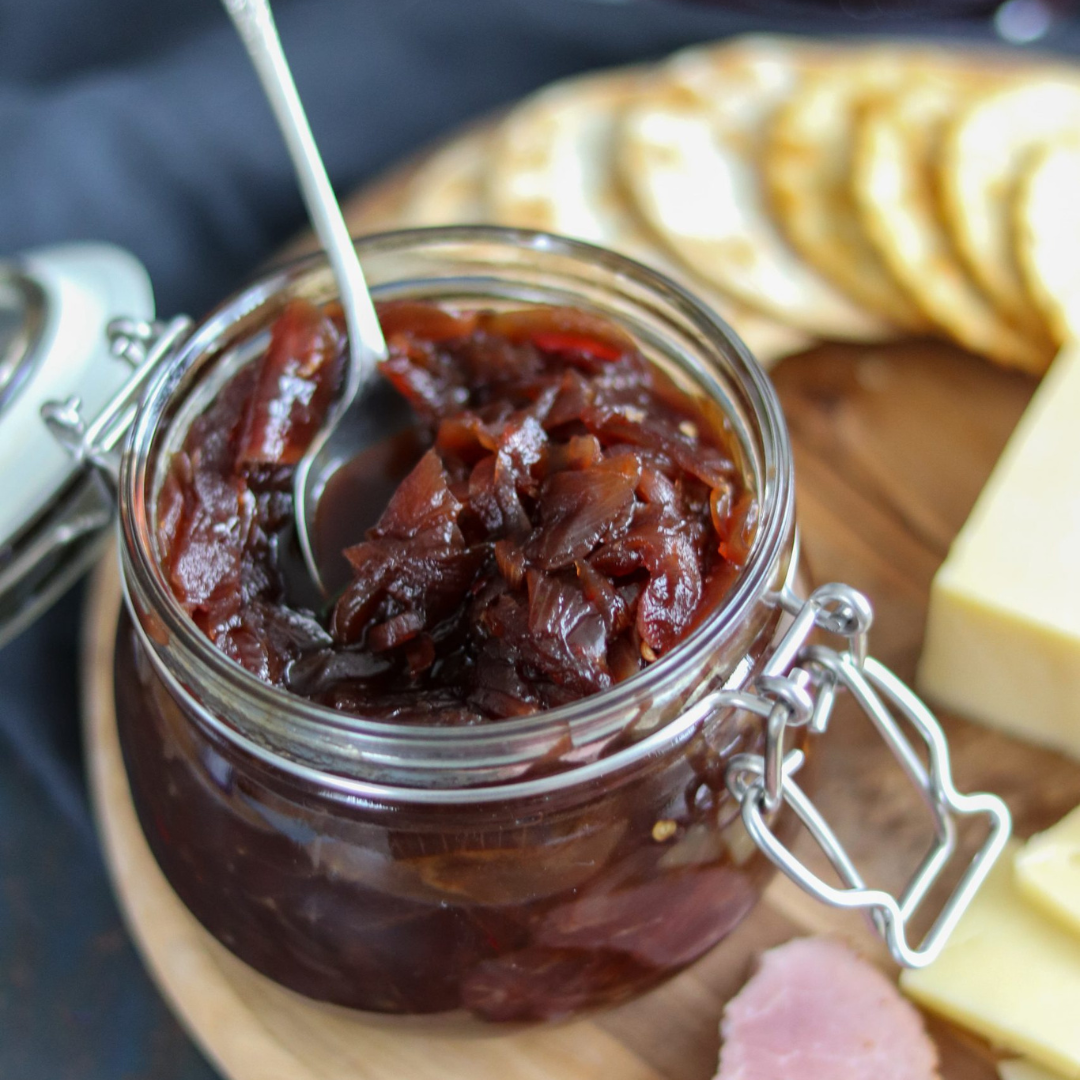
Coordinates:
(1048, 872)
(1021, 1069)
(1003, 634)
(1011, 975)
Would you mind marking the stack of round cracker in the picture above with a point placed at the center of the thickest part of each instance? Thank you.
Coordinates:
(806, 191)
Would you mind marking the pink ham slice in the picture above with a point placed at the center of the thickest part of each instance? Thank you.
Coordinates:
(816, 1011)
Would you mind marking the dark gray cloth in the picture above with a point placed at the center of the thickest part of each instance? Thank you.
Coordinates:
(140, 122)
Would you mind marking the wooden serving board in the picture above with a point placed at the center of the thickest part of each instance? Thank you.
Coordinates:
(892, 445)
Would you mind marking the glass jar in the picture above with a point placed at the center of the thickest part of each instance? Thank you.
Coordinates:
(530, 868)
(525, 869)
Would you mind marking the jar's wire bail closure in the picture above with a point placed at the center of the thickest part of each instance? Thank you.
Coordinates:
(98, 442)
(798, 687)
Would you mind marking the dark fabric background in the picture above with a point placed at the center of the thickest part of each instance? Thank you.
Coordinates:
(139, 122)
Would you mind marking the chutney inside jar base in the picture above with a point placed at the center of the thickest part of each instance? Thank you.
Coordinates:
(517, 912)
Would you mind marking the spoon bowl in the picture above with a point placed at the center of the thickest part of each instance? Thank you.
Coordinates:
(374, 431)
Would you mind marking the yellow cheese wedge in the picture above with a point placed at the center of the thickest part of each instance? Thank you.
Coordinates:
(1019, 1069)
(1010, 975)
(1048, 872)
(1003, 634)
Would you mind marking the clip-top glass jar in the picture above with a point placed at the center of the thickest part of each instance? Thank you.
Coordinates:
(527, 868)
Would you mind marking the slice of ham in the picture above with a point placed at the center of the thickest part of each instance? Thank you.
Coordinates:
(816, 1011)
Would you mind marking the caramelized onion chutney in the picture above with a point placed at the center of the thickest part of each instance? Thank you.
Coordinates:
(558, 517)
(573, 517)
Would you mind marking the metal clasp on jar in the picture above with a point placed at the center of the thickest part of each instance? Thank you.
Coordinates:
(798, 687)
(97, 442)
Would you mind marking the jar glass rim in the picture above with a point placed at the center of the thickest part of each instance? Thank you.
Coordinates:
(776, 495)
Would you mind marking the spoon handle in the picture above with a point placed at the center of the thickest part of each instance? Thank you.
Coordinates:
(255, 23)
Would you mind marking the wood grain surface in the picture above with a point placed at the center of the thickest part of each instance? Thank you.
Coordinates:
(892, 445)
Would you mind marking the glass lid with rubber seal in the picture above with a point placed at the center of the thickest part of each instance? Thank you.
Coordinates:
(56, 305)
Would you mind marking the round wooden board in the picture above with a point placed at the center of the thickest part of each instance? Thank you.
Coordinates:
(892, 446)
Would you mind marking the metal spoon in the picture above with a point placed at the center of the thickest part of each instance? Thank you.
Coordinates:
(255, 23)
